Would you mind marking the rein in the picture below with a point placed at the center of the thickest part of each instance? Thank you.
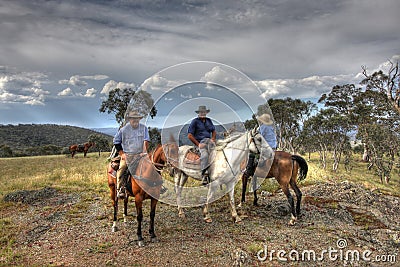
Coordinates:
(226, 158)
(167, 163)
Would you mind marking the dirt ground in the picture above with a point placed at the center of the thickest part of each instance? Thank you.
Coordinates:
(343, 224)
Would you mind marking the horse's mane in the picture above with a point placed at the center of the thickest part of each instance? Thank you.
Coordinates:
(229, 139)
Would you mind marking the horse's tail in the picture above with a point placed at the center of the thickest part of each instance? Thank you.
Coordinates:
(303, 166)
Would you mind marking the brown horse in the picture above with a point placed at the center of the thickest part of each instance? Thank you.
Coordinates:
(146, 183)
(81, 148)
(284, 168)
(165, 156)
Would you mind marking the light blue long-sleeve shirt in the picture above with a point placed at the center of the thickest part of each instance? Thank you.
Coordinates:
(132, 139)
(268, 132)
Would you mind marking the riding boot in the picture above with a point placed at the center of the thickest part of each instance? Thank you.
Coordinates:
(120, 187)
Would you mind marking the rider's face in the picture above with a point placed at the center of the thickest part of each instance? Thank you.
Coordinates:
(134, 122)
(202, 114)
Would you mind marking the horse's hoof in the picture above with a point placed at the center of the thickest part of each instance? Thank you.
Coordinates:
(208, 220)
(237, 220)
(114, 229)
(140, 243)
(154, 239)
(292, 221)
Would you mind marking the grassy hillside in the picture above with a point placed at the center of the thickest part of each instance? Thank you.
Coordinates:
(26, 139)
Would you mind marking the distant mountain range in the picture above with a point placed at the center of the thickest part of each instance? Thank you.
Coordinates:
(108, 131)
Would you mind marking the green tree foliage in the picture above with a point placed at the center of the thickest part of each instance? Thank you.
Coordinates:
(384, 145)
(289, 115)
(5, 151)
(117, 103)
(119, 99)
(386, 83)
(102, 143)
(155, 138)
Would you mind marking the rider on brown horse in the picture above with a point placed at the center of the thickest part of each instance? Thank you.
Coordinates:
(131, 141)
(267, 130)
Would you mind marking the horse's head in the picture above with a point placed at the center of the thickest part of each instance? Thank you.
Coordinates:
(171, 153)
(166, 153)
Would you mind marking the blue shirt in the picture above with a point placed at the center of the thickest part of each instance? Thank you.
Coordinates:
(268, 132)
(200, 129)
(132, 139)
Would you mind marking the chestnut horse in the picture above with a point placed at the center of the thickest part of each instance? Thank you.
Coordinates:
(146, 183)
(284, 168)
(81, 148)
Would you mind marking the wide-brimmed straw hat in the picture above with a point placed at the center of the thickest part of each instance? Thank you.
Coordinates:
(202, 109)
(134, 115)
(265, 119)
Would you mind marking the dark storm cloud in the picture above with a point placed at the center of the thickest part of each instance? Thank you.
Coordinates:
(298, 48)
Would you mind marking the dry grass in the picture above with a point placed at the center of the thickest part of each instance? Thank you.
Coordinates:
(59, 171)
(189, 242)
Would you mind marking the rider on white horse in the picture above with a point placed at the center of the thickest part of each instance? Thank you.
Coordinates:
(202, 133)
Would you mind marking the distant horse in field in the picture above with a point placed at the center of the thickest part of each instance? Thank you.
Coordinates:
(284, 168)
(146, 183)
(73, 149)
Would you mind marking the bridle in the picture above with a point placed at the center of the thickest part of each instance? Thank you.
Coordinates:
(168, 162)
(252, 139)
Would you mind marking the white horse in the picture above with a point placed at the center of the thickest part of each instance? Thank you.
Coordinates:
(225, 167)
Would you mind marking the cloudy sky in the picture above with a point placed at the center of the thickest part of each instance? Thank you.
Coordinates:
(59, 59)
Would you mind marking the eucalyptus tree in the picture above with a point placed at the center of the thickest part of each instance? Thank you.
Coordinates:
(102, 143)
(118, 101)
(289, 115)
(327, 132)
(378, 128)
(386, 83)
(342, 120)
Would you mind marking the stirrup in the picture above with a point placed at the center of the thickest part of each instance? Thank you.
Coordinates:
(205, 179)
(163, 190)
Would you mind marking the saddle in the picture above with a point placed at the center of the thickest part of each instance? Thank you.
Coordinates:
(192, 156)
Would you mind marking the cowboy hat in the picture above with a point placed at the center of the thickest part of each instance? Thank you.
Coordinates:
(265, 119)
(134, 115)
(202, 109)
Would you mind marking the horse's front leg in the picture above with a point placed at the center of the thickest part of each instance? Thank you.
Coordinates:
(138, 204)
(244, 187)
(236, 218)
(126, 209)
(115, 205)
(152, 216)
(180, 180)
(254, 185)
(206, 214)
